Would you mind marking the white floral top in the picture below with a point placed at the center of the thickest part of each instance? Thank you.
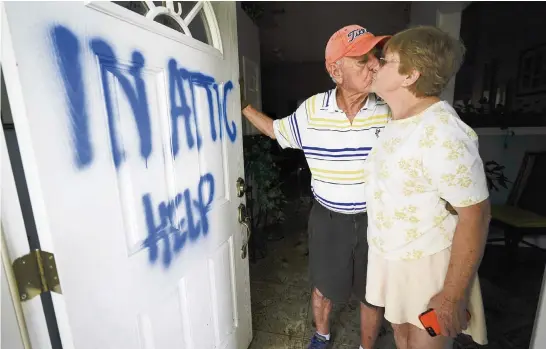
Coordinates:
(420, 163)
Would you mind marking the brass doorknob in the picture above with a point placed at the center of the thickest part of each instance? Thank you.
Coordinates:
(241, 187)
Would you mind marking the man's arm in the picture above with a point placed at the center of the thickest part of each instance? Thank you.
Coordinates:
(467, 249)
(288, 131)
(261, 121)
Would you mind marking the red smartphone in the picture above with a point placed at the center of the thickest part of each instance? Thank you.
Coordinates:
(429, 320)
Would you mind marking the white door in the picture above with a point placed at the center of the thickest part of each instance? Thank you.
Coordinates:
(130, 137)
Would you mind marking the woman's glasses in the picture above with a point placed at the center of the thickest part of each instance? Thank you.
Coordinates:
(383, 61)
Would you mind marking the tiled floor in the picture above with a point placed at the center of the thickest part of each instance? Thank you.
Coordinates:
(282, 317)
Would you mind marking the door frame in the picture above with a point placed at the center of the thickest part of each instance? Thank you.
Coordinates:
(251, 67)
(30, 314)
(11, 215)
(12, 318)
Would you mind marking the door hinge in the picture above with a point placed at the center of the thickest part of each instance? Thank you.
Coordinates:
(35, 274)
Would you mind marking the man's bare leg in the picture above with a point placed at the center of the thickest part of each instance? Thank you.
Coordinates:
(408, 336)
(370, 323)
(321, 312)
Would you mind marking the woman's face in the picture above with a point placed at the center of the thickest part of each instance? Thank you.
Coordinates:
(387, 78)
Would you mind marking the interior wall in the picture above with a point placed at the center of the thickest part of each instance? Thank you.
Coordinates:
(444, 15)
(248, 37)
(297, 31)
(423, 13)
(504, 30)
(297, 72)
(284, 84)
(509, 151)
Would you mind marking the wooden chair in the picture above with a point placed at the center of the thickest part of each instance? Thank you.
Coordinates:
(524, 213)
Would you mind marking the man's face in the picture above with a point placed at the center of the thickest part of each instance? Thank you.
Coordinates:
(357, 72)
(387, 77)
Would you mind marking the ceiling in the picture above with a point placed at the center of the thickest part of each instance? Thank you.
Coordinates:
(297, 31)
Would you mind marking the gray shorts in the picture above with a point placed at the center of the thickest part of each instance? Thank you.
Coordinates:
(338, 253)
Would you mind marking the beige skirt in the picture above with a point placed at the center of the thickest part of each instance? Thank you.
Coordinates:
(404, 289)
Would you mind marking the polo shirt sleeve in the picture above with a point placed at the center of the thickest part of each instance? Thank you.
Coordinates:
(453, 165)
(289, 130)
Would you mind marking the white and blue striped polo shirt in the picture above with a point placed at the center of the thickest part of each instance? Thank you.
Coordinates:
(334, 148)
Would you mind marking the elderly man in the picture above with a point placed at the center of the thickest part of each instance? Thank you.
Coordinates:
(336, 130)
(423, 257)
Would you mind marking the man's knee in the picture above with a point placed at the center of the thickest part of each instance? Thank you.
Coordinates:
(317, 295)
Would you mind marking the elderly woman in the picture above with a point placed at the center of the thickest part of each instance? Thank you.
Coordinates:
(422, 256)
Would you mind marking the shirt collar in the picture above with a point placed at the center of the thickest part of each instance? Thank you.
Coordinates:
(371, 101)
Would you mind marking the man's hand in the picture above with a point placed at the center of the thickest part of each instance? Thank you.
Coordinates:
(261, 121)
(244, 103)
(451, 313)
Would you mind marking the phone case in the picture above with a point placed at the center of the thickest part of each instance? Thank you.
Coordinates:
(429, 320)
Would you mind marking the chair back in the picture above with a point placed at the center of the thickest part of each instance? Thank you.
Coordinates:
(529, 190)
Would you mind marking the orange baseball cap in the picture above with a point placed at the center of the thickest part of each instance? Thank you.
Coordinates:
(351, 41)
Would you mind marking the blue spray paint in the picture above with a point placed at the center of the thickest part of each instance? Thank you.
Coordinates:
(177, 78)
(176, 88)
(183, 84)
(174, 235)
(136, 96)
(222, 115)
(232, 131)
(69, 53)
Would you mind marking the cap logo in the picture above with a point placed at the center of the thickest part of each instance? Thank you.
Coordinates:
(353, 34)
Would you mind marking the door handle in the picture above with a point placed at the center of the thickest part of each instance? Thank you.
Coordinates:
(244, 220)
(241, 187)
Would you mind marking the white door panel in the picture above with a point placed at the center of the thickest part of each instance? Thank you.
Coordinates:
(131, 143)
